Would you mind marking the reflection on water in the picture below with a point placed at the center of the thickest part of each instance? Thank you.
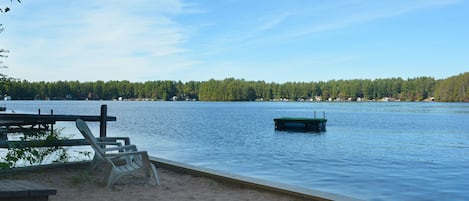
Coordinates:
(372, 151)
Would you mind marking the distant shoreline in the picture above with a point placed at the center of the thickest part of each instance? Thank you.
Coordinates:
(285, 101)
(452, 89)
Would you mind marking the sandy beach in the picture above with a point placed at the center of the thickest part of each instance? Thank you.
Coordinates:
(78, 184)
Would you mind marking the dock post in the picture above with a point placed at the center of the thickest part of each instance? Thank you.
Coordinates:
(38, 113)
(102, 121)
(51, 125)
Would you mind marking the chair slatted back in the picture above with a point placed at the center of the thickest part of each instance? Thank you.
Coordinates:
(86, 132)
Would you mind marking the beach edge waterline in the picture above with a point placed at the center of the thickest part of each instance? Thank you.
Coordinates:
(252, 182)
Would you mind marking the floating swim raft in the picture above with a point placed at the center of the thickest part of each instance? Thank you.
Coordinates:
(300, 124)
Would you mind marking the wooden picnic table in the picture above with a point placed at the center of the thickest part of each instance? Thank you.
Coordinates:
(13, 122)
(37, 119)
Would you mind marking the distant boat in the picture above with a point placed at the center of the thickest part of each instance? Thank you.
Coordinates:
(3, 108)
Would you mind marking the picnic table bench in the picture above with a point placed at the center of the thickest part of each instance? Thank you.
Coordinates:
(23, 190)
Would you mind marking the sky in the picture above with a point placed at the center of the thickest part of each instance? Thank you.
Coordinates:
(270, 40)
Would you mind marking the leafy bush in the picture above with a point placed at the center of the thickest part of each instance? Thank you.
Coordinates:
(18, 154)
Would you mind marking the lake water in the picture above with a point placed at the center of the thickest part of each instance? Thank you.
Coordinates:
(371, 151)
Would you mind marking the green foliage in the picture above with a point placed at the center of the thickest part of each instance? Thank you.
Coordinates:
(35, 155)
(7, 9)
(453, 89)
(231, 89)
(4, 52)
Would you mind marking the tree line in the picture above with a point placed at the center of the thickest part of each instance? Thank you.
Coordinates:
(452, 89)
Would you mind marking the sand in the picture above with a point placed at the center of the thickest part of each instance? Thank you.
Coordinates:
(77, 183)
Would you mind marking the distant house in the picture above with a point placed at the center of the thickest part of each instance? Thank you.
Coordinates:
(92, 96)
(430, 99)
(386, 99)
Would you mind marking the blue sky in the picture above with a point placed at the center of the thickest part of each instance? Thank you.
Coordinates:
(270, 40)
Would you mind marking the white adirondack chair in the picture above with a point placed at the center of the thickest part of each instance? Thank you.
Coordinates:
(126, 161)
(117, 147)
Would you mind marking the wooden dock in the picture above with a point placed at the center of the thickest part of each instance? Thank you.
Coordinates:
(300, 124)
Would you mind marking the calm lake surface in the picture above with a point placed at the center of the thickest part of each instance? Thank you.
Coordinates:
(371, 151)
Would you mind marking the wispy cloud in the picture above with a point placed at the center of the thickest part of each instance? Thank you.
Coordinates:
(102, 40)
(172, 39)
(342, 15)
(309, 19)
(272, 22)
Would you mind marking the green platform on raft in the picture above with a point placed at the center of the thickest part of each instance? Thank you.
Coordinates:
(300, 124)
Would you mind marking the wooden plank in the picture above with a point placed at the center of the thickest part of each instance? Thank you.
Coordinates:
(59, 143)
(49, 118)
(42, 143)
(24, 189)
(9, 189)
(22, 129)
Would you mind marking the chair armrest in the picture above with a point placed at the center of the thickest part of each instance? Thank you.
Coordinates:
(122, 154)
(109, 143)
(114, 139)
(121, 148)
(129, 156)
